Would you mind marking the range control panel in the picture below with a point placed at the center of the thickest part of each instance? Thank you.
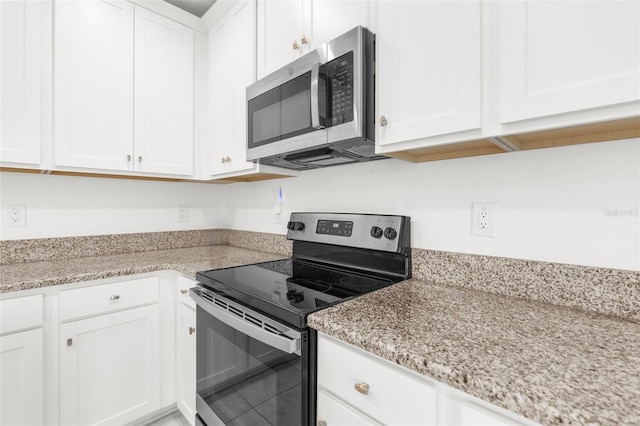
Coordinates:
(334, 227)
(370, 231)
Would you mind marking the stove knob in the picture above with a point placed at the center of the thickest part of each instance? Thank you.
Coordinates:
(390, 233)
(376, 232)
(295, 226)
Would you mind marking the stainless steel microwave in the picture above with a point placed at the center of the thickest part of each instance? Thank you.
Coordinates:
(317, 111)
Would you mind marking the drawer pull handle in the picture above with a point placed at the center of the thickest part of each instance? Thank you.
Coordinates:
(69, 342)
(322, 423)
(363, 388)
(191, 330)
(183, 291)
(114, 297)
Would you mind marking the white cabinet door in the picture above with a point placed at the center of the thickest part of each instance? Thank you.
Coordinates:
(428, 69)
(231, 70)
(331, 18)
(186, 357)
(93, 84)
(163, 95)
(335, 412)
(288, 29)
(20, 81)
(281, 24)
(564, 56)
(109, 367)
(21, 386)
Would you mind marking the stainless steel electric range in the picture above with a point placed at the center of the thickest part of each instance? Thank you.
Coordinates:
(256, 356)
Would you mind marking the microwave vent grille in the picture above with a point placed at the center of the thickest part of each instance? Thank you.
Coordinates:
(364, 151)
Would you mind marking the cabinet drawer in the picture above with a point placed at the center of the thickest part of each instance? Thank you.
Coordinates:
(394, 396)
(100, 299)
(184, 284)
(21, 313)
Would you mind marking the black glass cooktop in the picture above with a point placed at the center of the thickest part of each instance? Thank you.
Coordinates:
(290, 289)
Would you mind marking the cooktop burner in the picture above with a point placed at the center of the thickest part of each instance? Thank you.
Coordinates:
(290, 289)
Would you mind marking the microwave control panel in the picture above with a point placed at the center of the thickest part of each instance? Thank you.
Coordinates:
(339, 74)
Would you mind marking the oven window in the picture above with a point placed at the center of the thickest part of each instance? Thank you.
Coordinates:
(246, 382)
(281, 113)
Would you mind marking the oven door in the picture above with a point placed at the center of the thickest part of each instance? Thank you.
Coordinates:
(250, 369)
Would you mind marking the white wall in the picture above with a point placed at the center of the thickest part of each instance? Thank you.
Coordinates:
(63, 206)
(552, 205)
(555, 205)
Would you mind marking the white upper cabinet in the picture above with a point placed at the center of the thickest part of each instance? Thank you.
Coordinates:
(93, 84)
(281, 25)
(101, 53)
(565, 56)
(21, 25)
(331, 18)
(231, 70)
(232, 56)
(429, 70)
(163, 95)
(289, 29)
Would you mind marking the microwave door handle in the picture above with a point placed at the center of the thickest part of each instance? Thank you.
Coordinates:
(315, 96)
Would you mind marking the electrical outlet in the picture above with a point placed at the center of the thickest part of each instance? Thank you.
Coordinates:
(183, 214)
(483, 222)
(16, 216)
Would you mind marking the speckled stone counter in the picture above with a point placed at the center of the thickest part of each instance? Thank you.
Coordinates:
(28, 264)
(554, 365)
(509, 344)
(22, 276)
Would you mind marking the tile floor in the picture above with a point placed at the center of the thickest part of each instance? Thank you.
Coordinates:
(171, 419)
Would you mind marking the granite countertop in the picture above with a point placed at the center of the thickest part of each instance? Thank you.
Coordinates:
(554, 365)
(22, 276)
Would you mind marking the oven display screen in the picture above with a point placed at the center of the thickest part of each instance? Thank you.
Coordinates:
(335, 227)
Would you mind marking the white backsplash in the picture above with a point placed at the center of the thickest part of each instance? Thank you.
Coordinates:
(577, 204)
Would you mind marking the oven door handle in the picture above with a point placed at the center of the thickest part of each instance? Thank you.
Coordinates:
(282, 342)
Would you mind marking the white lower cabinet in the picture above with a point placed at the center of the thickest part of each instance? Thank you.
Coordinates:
(333, 411)
(186, 351)
(21, 361)
(110, 363)
(358, 388)
(385, 394)
(464, 412)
